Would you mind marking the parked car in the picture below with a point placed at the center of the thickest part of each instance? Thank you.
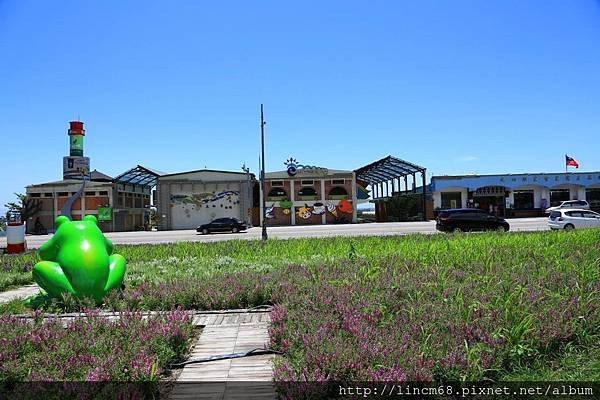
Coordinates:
(223, 225)
(571, 219)
(570, 204)
(469, 219)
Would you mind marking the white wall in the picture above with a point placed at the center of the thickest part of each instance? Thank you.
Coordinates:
(185, 215)
(437, 197)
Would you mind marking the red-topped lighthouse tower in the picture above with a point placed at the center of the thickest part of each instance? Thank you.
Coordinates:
(76, 135)
(75, 165)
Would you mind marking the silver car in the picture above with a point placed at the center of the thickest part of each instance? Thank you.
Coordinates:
(573, 219)
(570, 205)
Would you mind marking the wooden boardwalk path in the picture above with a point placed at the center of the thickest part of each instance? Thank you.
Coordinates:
(237, 378)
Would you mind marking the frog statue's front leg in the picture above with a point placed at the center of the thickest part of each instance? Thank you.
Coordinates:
(116, 272)
(50, 276)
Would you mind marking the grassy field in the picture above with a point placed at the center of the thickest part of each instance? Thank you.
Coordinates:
(444, 307)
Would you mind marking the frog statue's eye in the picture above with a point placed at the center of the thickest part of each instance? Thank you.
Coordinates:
(60, 220)
(91, 218)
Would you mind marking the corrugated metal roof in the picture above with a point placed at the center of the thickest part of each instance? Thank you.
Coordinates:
(386, 169)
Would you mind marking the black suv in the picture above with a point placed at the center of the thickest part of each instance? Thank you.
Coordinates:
(469, 219)
(222, 225)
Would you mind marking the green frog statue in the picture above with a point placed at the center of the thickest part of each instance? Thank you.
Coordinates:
(79, 260)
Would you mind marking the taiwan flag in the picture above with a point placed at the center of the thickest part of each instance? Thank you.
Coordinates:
(571, 161)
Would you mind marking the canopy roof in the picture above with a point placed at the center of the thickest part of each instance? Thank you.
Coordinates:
(139, 175)
(386, 169)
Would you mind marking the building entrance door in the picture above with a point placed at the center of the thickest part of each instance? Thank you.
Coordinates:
(492, 204)
(491, 199)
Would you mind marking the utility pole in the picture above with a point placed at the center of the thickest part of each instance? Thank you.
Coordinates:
(262, 175)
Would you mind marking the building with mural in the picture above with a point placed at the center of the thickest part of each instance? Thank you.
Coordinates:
(515, 195)
(311, 195)
(186, 200)
(120, 204)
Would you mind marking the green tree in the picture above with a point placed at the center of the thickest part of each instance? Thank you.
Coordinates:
(25, 206)
(407, 207)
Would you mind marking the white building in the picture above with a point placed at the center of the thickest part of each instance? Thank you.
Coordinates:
(189, 199)
(515, 194)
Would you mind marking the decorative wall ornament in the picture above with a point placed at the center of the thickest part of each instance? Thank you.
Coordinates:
(304, 212)
(319, 209)
(286, 206)
(293, 167)
(490, 191)
(287, 203)
(332, 208)
(345, 206)
(269, 211)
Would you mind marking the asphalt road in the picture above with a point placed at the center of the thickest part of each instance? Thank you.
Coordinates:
(287, 232)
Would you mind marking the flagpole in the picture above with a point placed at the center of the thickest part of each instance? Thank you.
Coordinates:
(566, 164)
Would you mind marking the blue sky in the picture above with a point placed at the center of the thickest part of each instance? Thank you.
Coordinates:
(455, 86)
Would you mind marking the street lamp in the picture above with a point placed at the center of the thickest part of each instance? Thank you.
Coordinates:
(262, 175)
(248, 195)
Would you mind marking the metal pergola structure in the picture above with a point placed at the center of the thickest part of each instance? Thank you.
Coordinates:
(381, 173)
(139, 175)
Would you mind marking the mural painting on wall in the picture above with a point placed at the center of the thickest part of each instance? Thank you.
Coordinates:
(332, 208)
(319, 208)
(269, 211)
(225, 199)
(343, 206)
(200, 199)
(304, 212)
(286, 205)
